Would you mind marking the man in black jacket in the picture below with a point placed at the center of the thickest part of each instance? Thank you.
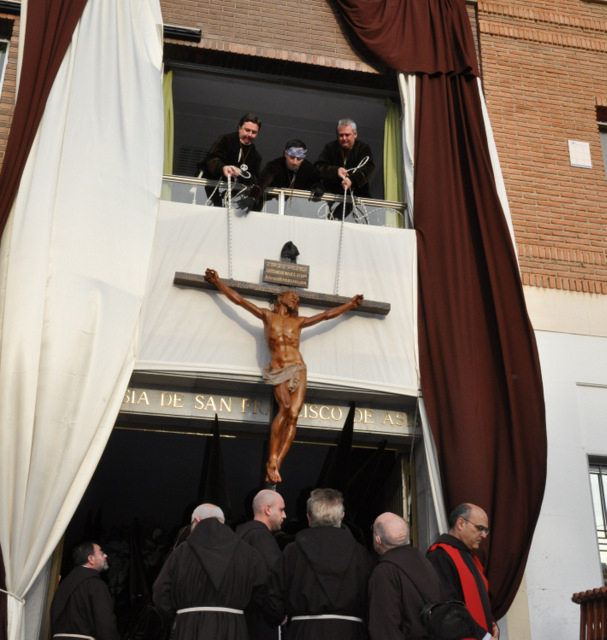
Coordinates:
(291, 171)
(234, 154)
(400, 585)
(268, 515)
(346, 163)
(209, 580)
(320, 582)
(460, 571)
(82, 606)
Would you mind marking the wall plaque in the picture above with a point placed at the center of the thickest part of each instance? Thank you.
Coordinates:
(287, 273)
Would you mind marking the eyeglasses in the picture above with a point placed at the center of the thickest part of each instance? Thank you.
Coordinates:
(480, 527)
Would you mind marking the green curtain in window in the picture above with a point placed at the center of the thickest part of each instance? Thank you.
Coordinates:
(167, 165)
(167, 92)
(393, 160)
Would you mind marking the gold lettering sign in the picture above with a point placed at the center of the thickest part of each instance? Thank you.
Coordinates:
(258, 409)
(287, 273)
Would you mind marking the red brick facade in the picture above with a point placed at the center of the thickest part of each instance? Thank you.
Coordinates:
(7, 99)
(544, 72)
(292, 30)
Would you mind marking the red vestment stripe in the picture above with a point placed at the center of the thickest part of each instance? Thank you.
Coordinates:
(469, 587)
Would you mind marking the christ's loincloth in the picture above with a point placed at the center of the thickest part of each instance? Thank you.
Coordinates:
(289, 373)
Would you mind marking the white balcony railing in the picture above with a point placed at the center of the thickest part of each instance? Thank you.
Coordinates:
(288, 202)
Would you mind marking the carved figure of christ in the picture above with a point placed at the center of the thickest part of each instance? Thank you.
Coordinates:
(287, 369)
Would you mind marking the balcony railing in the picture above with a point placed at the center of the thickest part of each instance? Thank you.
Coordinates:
(593, 613)
(288, 202)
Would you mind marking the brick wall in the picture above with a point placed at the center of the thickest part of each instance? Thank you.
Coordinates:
(7, 100)
(544, 73)
(310, 31)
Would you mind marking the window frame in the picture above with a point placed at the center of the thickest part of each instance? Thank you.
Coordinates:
(3, 61)
(597, 468)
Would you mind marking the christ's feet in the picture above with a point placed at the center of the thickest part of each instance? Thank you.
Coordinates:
(272, 475)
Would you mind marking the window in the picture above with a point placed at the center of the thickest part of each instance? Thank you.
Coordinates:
(603, 134)
(209, 103)
(6, 33)
(598, 485)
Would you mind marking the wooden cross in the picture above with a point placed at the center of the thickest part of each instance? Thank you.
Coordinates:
(265, 291)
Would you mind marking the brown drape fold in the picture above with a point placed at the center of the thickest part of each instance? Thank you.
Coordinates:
(480, 373)
(49, 28)
(428, 36)
(50, 25)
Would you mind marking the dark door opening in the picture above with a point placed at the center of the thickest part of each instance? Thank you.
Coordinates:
(146, 486)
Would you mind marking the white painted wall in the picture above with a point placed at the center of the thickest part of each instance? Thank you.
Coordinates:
(564, 556)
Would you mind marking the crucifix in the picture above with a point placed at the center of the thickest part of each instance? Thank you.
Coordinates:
(286, 371)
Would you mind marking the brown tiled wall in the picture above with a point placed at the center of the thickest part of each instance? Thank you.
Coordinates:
(7, 101)
(544, 73)
(300, 31)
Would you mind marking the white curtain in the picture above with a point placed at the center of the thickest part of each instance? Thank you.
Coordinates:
(191, 238)
(73, 265)
(406, 84)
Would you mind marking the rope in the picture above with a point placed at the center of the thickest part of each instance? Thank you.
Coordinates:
(13, 595)
(244, 172)
(340, 250)
(209, 200)
(229, 227)
(360, 165)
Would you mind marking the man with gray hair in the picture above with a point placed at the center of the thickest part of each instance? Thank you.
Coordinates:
(209, 580)
(400, 585)
(320, 582)
(346, 163)
(268, 516)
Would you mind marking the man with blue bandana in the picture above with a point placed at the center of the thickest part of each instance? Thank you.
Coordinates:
(290, 171)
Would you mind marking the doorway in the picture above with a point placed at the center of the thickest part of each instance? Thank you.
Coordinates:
(148, 480)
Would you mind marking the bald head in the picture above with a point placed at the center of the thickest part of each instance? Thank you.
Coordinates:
(469, 524)
(389, 531)
(269, 508)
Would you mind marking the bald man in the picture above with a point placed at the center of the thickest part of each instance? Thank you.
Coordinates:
(401, 583)
(208, 580)
(268, 516)
(461, 573)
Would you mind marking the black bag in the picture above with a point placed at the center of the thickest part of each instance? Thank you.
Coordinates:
(444, 620)
(447, 620)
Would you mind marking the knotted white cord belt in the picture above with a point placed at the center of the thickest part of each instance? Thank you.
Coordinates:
(327, 616)
(72, 635)
(13, 595)
(219, 609)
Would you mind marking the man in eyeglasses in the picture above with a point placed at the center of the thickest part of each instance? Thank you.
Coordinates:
(461, 572)
(82, 606)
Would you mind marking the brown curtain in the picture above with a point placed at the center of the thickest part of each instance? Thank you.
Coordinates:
(480, 373)
(50, 25)
(49, 28)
